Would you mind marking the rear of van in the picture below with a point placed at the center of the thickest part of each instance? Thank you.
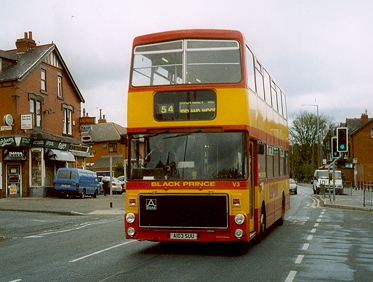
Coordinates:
(72, 182)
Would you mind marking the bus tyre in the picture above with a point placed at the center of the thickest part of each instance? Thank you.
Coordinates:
(263, 226)
(282, 218)
(95, 194)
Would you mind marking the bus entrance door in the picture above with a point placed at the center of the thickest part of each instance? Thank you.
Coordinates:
(252, 185)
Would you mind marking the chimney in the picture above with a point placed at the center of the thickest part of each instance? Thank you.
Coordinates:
(364, 117)
(102, 118)
(25, 43)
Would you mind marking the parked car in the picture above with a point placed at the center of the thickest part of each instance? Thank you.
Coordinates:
(76, 182)
(116, 185)
(122, 180)
(293, 186)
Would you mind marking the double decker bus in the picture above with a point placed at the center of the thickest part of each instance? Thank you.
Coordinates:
(207, 138)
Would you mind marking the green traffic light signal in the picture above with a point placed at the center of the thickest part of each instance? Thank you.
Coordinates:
(342, 139)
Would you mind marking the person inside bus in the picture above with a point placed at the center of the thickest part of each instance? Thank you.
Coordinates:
(160, 157)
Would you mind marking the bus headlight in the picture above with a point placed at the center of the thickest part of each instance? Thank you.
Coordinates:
(239, 219)
(130, 218)
(238, 233)
(131, 231)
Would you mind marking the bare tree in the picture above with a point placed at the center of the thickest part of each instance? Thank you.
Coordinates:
(304, 142)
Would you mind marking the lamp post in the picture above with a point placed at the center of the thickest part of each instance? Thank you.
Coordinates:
(318, 132)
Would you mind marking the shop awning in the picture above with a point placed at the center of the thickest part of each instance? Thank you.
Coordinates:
(62, 156)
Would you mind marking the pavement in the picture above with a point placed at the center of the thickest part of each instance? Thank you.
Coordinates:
(352, 199)
(115, 204)
(109, 204)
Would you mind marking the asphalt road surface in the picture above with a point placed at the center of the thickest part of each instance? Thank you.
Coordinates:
(314, 244)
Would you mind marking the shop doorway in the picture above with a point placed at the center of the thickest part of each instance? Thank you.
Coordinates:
(13, 180)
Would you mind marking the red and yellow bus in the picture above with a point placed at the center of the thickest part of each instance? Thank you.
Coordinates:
(207, 137)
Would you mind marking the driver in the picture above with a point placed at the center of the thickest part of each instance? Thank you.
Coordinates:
(160, 157)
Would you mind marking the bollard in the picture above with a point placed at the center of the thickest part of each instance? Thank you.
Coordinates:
(111, 204)
(322, 189)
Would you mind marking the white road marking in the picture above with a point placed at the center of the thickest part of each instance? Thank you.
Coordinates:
(113, 211)
(316, 225)
(313, 230)
(78, 226)
(305, 246)
(310, 237)
(291, 276)
(103, 250)
(299, 259)
(33, 236)
(315, 201)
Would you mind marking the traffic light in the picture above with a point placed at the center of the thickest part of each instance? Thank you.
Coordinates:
(335, 153)
(342, 139)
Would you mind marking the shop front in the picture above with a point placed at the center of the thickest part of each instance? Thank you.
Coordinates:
(28, 165)
(13, 163)
(46, 157)
(14, 158)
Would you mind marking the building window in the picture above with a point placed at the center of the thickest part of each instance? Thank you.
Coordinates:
(35, 109)
(112, 147)
(59, 85)
(43, 82)
(67, 121)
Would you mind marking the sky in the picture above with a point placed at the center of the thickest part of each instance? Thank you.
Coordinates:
(320, 52)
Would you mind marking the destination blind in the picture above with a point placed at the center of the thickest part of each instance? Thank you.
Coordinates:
(185, 105)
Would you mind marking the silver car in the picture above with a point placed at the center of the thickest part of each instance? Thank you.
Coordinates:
(293, 186)
(122, 180)
(116, 185)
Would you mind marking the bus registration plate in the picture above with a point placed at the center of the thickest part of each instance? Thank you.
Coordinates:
(183, 236)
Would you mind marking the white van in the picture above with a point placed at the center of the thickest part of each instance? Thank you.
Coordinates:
(320, 177)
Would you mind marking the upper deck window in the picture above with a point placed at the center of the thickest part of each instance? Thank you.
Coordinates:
(187, 62)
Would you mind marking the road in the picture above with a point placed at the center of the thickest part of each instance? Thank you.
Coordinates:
(314, 244)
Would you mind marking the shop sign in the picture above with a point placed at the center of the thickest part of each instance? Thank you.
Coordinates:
(86, 127)
(14, 155)
(7, 141)
(87, 120)
(26, 121)
(38, 143)
(6, 127)
(56, 145)
(25, 141)
(79, 148)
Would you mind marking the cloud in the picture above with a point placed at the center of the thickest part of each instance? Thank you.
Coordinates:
(316, 50)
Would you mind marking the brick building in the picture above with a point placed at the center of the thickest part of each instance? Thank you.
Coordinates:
(40, 110)
(360, 149)
(108, 141)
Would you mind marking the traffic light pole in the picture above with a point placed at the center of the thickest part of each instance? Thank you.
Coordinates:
(332, 164)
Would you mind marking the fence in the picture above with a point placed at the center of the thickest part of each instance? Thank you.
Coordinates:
(368, 194)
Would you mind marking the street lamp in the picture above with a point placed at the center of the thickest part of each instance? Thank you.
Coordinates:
(318, 132)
